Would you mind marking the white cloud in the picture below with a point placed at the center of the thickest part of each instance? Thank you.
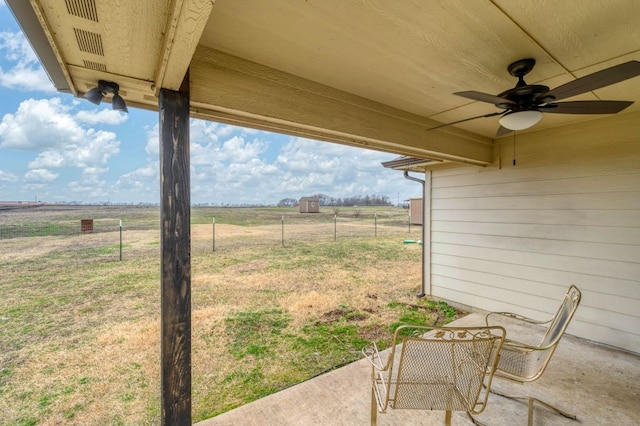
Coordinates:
(49, 128)
(25, 72)
(302, 167)
(200, 130)
(212, 143)
(46, 126)
(47, 159)
(337, 170)
(302, 155)
(7, 177)
(152, 146)
(89, 187)
(234, 150)
(228, 164)
(38, 124)
(104, 116)
(238, 150)
(225, 131)
(95, 150)
(40, 176)
(92, 171)
(144, 178)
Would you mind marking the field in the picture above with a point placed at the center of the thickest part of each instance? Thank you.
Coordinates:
(283, 297)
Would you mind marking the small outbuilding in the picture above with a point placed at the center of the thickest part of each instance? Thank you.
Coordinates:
(309, 205)
(415, 211)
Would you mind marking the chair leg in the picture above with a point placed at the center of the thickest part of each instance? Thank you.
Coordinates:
(374, 407)
(557, 410)
(447, 418)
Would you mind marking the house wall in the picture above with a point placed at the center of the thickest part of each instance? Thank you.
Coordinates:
(513, 238)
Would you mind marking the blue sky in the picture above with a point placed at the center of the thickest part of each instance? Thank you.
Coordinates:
(57, 148)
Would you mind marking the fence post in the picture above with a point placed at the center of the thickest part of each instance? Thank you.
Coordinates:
(282, 219)
(121, 240)
(375, 224)
(214, 234)
(335, 226)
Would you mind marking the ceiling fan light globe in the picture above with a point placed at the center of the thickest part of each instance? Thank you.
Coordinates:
(520, 120)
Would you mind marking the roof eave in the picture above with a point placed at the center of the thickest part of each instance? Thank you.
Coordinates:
(36, 36)
(410, 163)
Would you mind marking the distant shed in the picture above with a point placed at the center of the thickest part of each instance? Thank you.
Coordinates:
(415, 211)
(309, 205)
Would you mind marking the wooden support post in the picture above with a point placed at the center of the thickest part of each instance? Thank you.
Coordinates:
(175, 211)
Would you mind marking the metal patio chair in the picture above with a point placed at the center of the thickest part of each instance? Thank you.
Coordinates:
(446, 368)
(521, 362)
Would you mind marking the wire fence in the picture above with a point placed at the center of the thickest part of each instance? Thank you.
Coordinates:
(275, 230)
(337, 227)
(67, 228)
(108, 235)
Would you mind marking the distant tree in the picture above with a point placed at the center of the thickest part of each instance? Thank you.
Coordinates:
(287, 202)
(325, 200)
(356, 200)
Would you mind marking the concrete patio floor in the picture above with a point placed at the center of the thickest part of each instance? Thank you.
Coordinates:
(599, 384)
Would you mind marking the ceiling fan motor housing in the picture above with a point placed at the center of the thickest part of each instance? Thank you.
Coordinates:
(524, 97)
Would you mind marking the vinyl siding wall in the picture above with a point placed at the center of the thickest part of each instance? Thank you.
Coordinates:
(513, 238)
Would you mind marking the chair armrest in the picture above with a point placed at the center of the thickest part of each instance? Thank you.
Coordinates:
(514, 316)
(519, 345)
(372, 355)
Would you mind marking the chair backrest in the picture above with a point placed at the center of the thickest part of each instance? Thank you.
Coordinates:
(444, 369)
(524, 363)
(561, 320)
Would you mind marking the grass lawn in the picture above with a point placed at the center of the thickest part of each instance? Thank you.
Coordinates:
(80, 330)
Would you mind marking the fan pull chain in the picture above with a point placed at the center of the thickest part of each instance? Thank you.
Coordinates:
(514, 147)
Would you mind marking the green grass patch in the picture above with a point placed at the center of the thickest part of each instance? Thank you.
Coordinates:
(255, 333)
(424, 313)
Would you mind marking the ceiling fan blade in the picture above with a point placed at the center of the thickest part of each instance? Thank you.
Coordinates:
(466, 119)
(596, 80)
(586, 107)
(484, 97)
(503, 131)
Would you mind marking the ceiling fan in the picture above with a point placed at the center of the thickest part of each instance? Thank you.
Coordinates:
(525, 104)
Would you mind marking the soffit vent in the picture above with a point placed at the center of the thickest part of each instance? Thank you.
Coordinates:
(97, 66)
(83, 8)
(89, 42)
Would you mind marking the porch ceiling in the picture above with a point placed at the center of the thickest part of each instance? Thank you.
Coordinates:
(375, 73)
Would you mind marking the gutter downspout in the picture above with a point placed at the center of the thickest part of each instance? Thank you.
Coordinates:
(423, 291)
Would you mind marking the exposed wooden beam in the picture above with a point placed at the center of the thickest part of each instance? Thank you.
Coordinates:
(182, 32)
(175, 205)
(230, 89)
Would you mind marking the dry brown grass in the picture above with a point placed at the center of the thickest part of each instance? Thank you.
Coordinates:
(80, 329)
